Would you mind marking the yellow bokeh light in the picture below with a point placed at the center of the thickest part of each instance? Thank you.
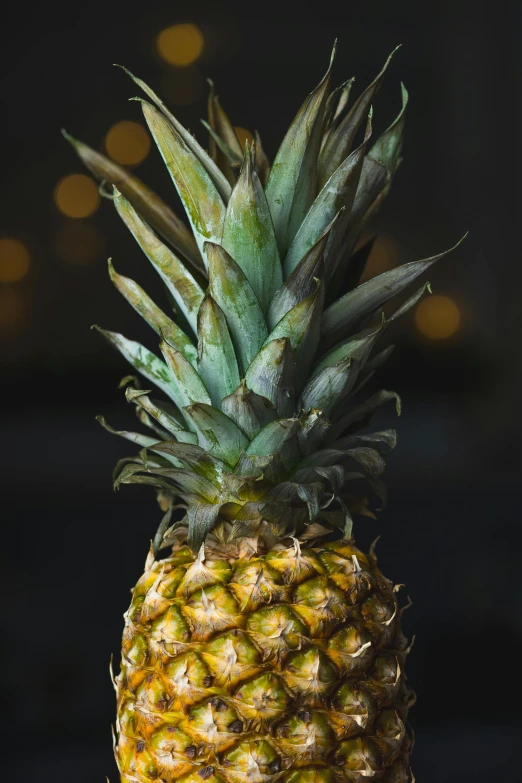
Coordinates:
(77, 196)
(180, 44)
(13, 310)
(385, 255)
(14, 260)
(127, 143)
(437, 317)
(244, 135)
(79, 244)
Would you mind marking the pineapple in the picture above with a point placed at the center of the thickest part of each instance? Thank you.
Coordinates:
(261, 644)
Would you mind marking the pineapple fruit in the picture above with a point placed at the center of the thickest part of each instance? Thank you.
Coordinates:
(260, 644)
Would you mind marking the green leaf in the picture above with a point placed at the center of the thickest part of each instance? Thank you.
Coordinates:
(204, 159)
(217, 363)
(273, 437)
(338, 193)
(134, 437)
(291, 186)
(359, 412)
(144, 361)
(340, 141)
(148, 204)
(387, 148)
(272, 375)
(233, 293)
(248, 234)
(384, 441)
(250, 411)
(196, 458)
(188, 484)
(156, 318)
(344, 314)
(189, 386)
(217, 433)
(301, 325)
(222, 133)
(186, 292)
(202, 201)
(301, 282)
(159, 414)
(201, 518)
(234, 160)
(357, 348)
(327, 388)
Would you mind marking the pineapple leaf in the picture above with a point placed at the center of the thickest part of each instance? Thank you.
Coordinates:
(327, 388)
(134, 437)
(387, 148)
(217, 433)
(301, 283)
(248, 234)
(338, 192)
(202, 201)
(222, 133)
(360, 412)
(344, 314)
(250, 411)
(384, 441)
(189, 386)
(148, 204)
(204, 159)
(301, 325)
(272, 375)
(217, 363)
(182, 286)
(273, 437)
(152, 314)
(144, 361)
(165, 419)
(197, 459)
(356, 348)
(201, 518)
(233, 293)
(340, 141)
(188, 484)
(291, 186)
(234, 159)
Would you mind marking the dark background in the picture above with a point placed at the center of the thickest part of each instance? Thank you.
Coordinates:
(452, 533)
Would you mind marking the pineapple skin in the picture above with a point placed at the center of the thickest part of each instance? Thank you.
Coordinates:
(287, 666)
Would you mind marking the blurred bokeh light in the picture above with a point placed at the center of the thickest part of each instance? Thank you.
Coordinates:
(77, 196)
(13, 311)
(79, 243)
(180, 44)
(438, 317)
(14, 260)
(127, 142)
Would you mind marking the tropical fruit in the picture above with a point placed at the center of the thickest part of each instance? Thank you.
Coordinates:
(261, 645)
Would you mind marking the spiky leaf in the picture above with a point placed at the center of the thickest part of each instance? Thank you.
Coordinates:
(217, 433)
(272, 438)
(217, 363)
(148, 204)
(250, 411)
(291, 186)
(204, 159)
(155, 317)
(272, 375)
(185, 290)
(248, 234)
(189, 386)
(201, 199)
(348, 311)
(233, 293)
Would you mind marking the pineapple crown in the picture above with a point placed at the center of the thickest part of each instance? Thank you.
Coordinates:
(263, 370)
